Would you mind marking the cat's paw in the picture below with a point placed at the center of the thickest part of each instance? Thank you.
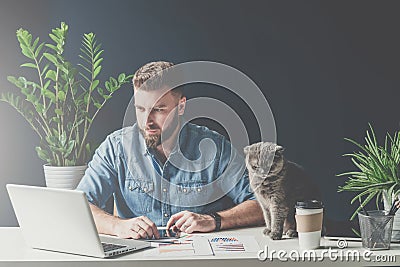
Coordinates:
(291, 233)
(266, 231)
(275, 235)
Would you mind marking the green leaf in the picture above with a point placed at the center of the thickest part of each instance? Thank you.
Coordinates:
(35, 43)
(97, 63)
(51, 74)
(38, 50)
(86, 99)
(50, 95)
(32, 98)
(51, 140)
(63, 139)
(29, 65)
(114, 82)
(107, 84)
(55, 38)
(46, 85)
(26, 52)
(61, 96)
(121, 77)
(97, 56)
(97, 105)
(56, 119)
(12, 79)
(70, 147)
(40, 108)
(52, 47)
(88, 149)
(51, 58)
(96, 71)
(94, 84)
(85, 68)
(43, 154)
(100, 91)
(59, 111)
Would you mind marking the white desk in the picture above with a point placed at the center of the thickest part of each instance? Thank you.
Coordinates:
(14, 252)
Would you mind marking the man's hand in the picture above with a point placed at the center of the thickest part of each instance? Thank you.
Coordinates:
(136, 228)
(189, 222)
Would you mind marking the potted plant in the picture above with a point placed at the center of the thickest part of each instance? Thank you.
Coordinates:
(62, 103)
(378, 173)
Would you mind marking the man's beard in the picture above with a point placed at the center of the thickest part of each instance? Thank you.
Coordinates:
(151, 140)
(154, 140)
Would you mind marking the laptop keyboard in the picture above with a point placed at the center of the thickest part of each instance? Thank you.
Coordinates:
(108, 247)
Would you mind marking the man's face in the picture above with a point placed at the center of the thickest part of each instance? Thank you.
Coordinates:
(158, 113)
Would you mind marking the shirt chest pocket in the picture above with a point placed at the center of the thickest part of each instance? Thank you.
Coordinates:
(139, 194)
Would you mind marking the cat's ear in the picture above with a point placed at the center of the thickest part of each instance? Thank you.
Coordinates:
(246, 150)
(279, 149)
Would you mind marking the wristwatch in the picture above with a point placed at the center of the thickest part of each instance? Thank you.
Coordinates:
(217, 219)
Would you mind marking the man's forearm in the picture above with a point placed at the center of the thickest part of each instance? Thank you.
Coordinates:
(248, 213)
(105, 222)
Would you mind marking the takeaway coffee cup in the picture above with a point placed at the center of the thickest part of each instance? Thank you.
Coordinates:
(309, 215)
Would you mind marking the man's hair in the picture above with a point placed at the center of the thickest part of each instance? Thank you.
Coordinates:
(154, 70)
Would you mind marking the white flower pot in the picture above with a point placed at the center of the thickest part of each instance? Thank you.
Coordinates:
(63, 177)
(396, 221)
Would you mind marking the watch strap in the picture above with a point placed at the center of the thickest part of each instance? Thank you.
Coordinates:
(217, 219)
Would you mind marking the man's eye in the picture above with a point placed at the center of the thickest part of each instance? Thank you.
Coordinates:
(139, 109)
(254, 167)
(158, 110)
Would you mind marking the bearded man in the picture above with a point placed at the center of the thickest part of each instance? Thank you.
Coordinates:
(141, 168)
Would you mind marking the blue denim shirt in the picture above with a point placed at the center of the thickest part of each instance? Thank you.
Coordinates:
(203, 174)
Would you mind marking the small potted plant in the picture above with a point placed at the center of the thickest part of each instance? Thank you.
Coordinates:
(62, 103)
(377, 175)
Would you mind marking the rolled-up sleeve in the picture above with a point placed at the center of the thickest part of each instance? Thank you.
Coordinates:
(99, 180)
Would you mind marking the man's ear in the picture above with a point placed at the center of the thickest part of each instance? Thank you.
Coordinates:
(181, 105)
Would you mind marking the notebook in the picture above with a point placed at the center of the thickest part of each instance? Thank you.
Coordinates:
(61, 220)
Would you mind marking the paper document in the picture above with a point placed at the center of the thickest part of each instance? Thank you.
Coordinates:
(190, 245)
(204, 245)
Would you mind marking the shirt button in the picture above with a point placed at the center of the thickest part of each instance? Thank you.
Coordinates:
(165, 215)
(130, 188)
(184, 190)
(198, 189)
(145, 189)
(164, 190)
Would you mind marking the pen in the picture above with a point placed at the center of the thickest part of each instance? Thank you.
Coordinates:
(161, 241)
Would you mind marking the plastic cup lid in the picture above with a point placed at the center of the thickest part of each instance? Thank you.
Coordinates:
(309, 204)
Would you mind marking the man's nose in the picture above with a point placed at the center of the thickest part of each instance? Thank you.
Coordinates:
(149, 118)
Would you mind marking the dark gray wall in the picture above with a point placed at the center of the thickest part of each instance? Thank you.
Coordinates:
(327, 68)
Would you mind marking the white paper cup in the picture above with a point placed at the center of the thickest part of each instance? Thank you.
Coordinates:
(309, 223)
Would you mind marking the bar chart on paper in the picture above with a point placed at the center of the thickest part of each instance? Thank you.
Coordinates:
(228, 244)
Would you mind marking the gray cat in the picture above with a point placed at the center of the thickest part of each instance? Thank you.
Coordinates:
(277, 188)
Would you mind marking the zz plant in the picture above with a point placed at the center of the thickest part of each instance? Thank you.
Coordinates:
(378, 170)
(62, 104)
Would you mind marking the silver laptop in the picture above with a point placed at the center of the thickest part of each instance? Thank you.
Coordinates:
(61, 220)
